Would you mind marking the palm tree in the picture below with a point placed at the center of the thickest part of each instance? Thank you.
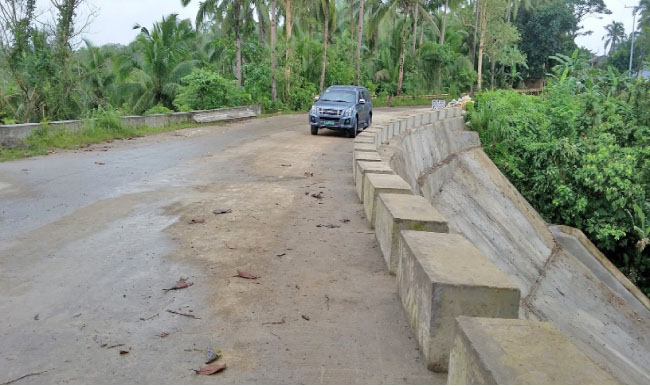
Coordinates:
(326, 22)
(233, 9)
(359, 36)
(160, 58)
(615, 34)
(274, 33)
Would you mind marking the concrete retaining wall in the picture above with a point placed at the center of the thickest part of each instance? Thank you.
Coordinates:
(21, 131)
(592, 312)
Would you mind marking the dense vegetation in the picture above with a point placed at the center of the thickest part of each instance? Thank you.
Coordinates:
(279, 53)
(580, 153)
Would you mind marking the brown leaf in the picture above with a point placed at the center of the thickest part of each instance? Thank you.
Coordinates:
(197, 221)
(123, 352)
(180, 284)
(318, 196)
(308, 174)
(211, 369)
(345, 221)
(99, 163)
(221, 211)
(246, 275)
(286, 165)
(163, 334)
(305, 317)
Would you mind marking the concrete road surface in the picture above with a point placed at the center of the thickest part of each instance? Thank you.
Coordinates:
(90, 238)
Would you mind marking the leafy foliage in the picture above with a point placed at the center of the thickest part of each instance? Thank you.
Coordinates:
(205, 89)
(580, 154)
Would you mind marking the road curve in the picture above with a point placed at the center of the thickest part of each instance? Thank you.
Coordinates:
(90, 238)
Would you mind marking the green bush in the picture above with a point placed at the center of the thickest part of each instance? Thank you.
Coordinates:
(158, 109)
(581, 155)
(205, 89)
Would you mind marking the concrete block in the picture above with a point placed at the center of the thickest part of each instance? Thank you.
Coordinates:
(363, 156)
(435, 116)
(368, 167)
(442, 114)
(417, 121)
(442, 276)
(523, 352)
(374, 184)
(365, 147)
(410, 122)
(402, 125)
(397, 212)
(377, 131)
(365, 139)
(426, 118)
(391, 130)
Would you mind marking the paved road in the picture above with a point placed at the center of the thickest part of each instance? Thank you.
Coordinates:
(89, 239)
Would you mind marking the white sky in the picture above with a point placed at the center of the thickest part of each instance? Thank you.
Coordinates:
(115, 19)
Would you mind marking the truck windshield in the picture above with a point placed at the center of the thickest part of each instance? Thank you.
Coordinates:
(338, 96)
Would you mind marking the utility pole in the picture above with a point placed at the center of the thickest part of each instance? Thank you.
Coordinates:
(634, 10)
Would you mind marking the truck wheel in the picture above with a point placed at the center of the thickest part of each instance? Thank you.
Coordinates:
(352, 132)
(314, 130)
(369, 120)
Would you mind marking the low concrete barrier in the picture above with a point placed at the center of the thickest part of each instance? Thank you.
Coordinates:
(442, 276)
(367, 138)
(521, 352)
(397, 212)
(374, 184)
(21, 131)
(363, 156)
(365, 167)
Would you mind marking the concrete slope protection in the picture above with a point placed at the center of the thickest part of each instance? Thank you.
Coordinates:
(560, 278)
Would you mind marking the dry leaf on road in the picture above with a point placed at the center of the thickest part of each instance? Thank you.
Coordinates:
(211, 369)
(180, 284)
(246, 275)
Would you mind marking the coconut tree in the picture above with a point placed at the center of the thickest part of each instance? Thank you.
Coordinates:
(357, 74)
(158, 60)
(615, 35)
(326, 22)
(274, 34)
(232, 10)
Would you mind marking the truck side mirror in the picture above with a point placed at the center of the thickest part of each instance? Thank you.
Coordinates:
(362, 101)
(316, 98)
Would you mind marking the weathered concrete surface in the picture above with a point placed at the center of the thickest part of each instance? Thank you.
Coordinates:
(374, 184)
(511, 351)
(363, 156)
(364, 167)
(455, 175)
(397, 212)
(364, 147)
(441, 276)
(366, 138)
(89, 248)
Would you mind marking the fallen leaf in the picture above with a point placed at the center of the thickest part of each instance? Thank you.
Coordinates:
(286, 165)
(246, 275)
(163, 334)
(305, 317)
(211, 369)
(308, 174)
(221, 211)
(212, 355)
(331, 226)
(345, 221)
(197, 221)
(123, 352)
(99, 163)
(318, 196)
(281, 254)
(180, 284)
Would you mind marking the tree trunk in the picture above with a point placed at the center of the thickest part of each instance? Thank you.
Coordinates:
(288, 27)
(274, 26)
(261, 27)
(237, 42)
(351, 16)
(357, 75)
(400, 78)
(481, 45)
(415, 27)
(476, 12)
(421, 34)
(326, 12)
(493, 68)
(444, 22)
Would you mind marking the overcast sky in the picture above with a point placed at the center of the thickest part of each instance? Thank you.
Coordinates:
(115, 19)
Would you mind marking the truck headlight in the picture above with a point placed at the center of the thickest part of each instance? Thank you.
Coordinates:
(348, 112)
(314, 110)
